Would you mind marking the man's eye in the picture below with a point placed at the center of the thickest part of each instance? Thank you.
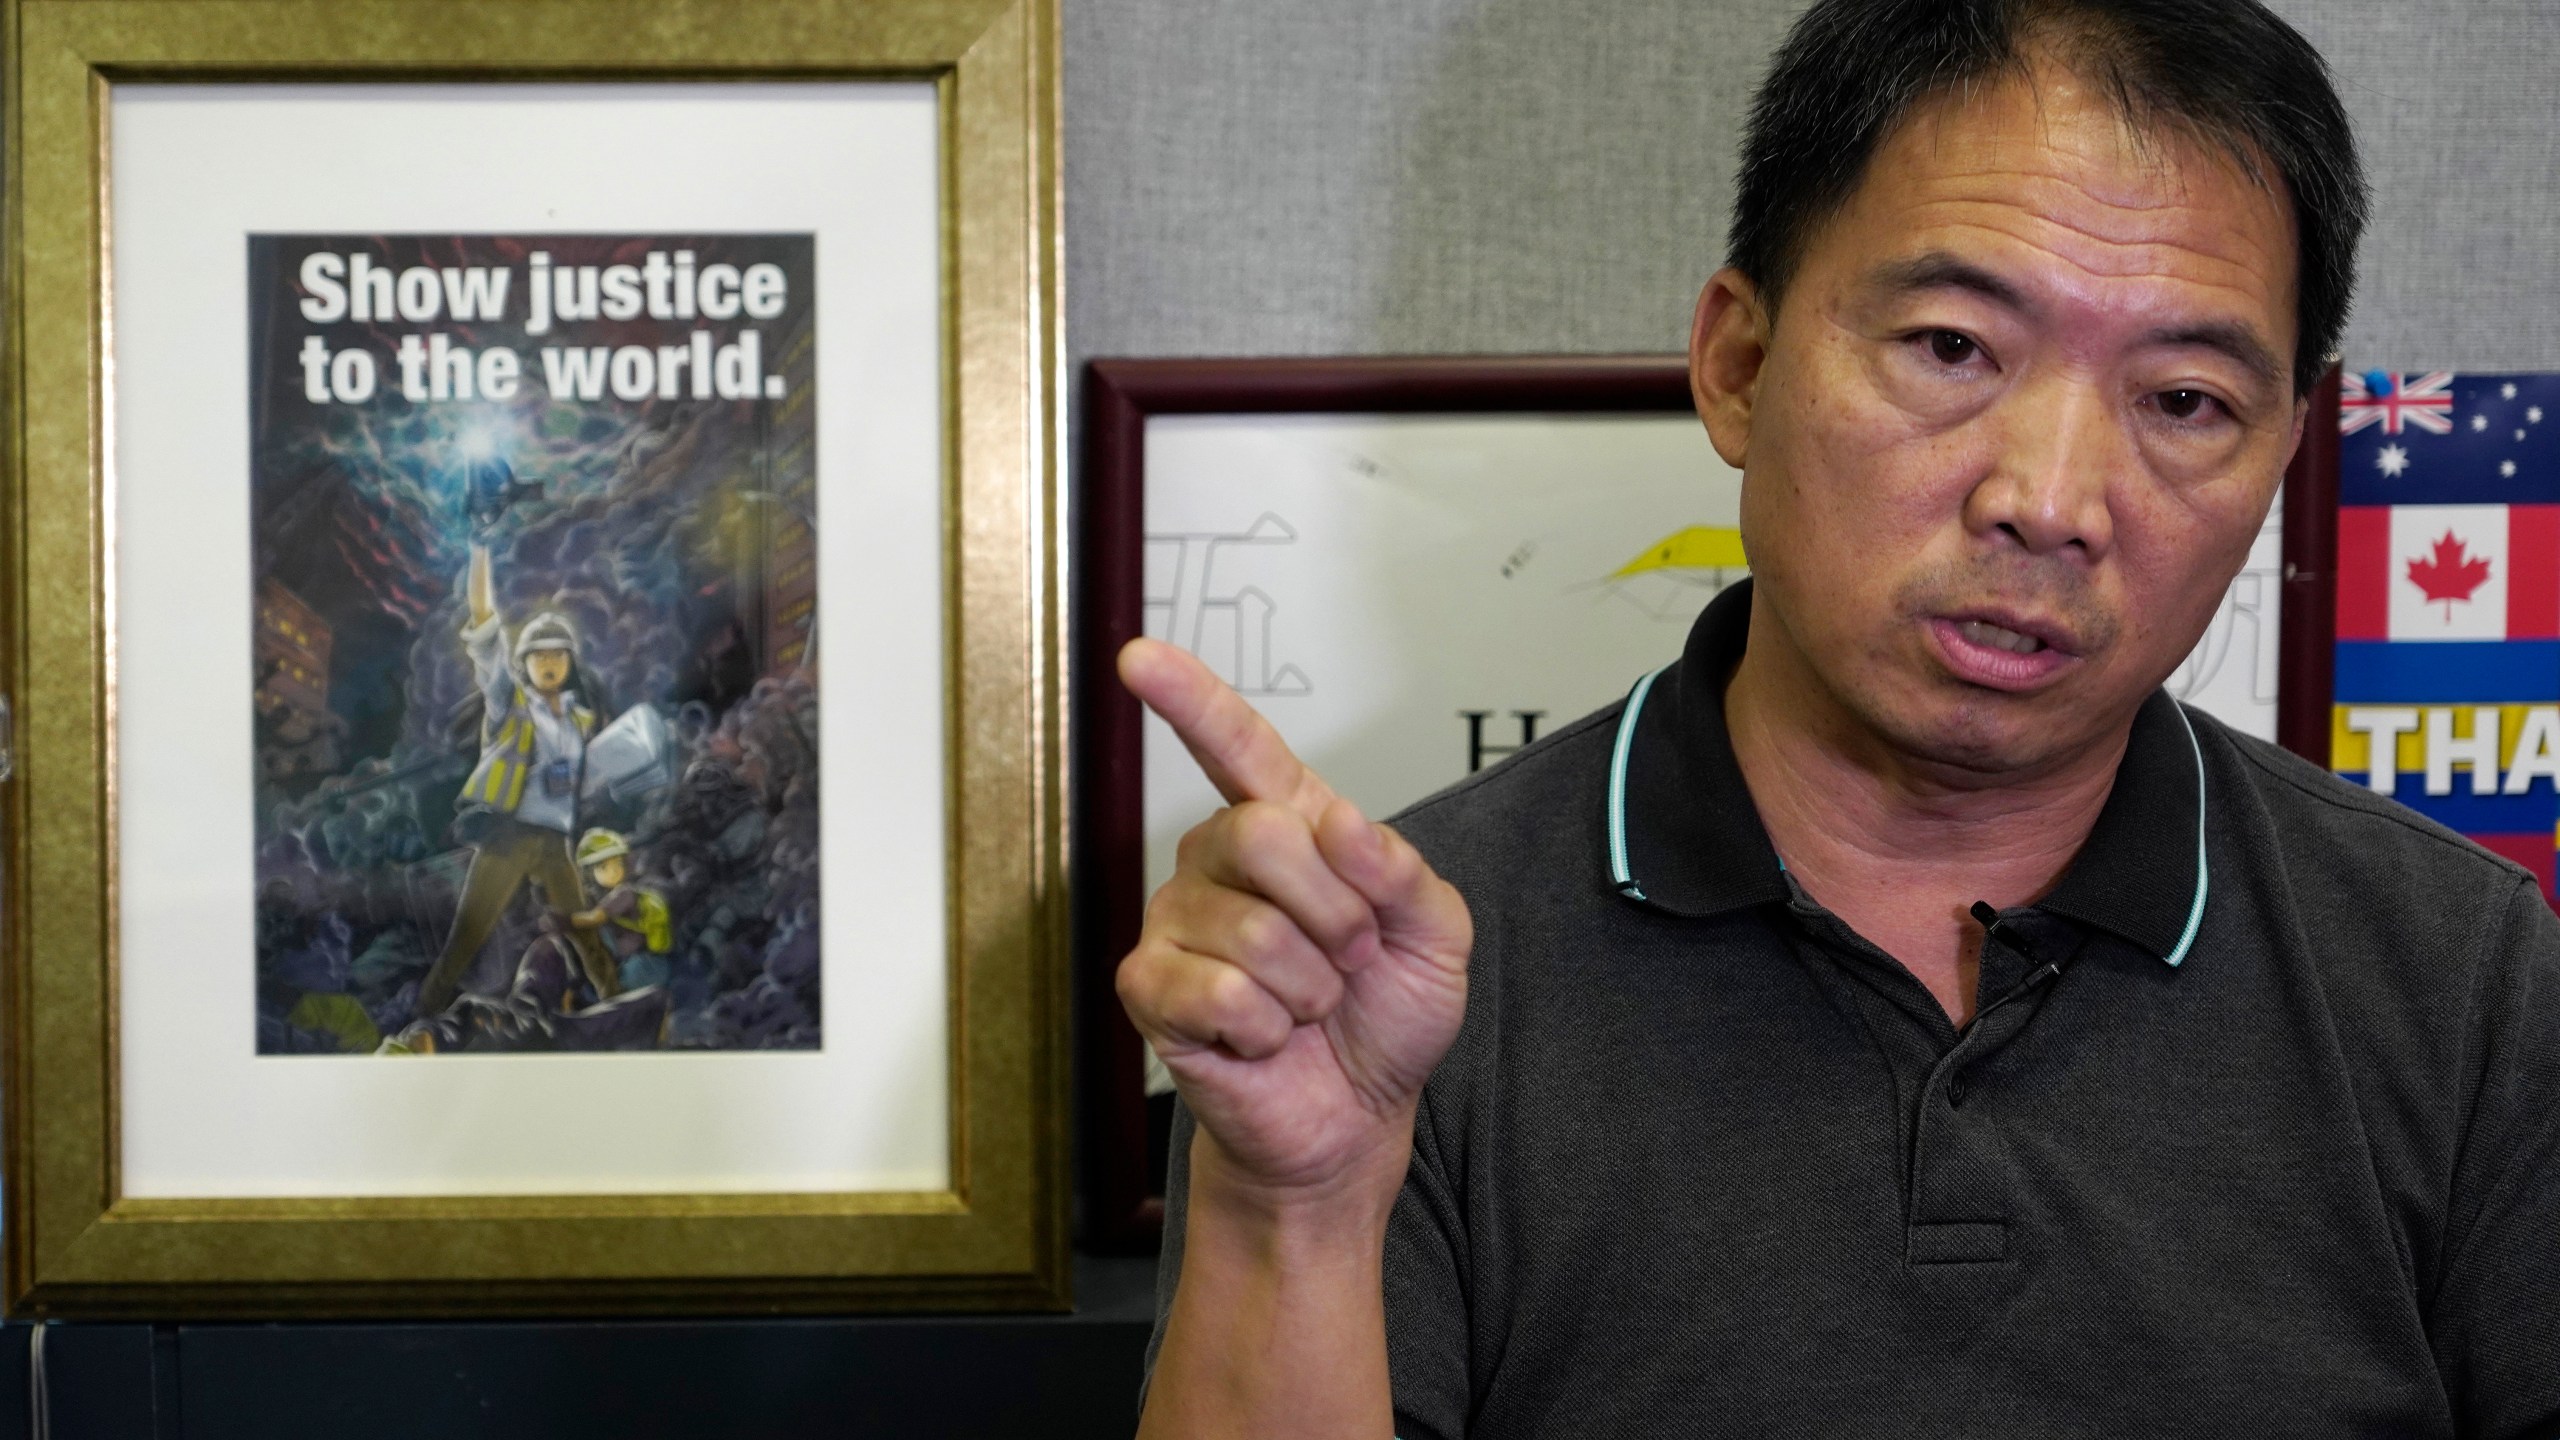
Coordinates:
(2185, 404)
(1951, 347)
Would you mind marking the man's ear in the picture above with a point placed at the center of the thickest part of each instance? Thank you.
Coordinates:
(2301, 418)
(1728, 342)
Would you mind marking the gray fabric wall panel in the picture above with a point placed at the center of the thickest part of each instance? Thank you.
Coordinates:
(2457, 105)
(1321, 176)
(1374, 176)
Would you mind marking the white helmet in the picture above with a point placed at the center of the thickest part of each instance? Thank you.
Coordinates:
(549, 630)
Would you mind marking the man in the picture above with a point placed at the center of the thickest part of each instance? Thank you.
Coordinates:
(1897, 1017)
(520, 802)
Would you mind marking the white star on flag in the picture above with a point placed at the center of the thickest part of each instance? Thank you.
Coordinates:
(2479, 422)
(2507, 468)
(2533, 414)
(2393, 460)
(2508, 390)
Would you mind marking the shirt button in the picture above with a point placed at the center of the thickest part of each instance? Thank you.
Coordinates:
(1955, 1092)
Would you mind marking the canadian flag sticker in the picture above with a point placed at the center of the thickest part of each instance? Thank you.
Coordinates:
(2449, 572)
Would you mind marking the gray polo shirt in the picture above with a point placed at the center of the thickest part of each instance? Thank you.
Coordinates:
(2256, 1132)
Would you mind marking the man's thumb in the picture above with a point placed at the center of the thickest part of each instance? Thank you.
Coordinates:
(1416, 909)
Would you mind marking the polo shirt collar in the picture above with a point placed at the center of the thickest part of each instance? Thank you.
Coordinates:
(1685, 838)
(2143, 873)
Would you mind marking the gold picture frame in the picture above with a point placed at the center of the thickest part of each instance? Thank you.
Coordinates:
(995, 1237)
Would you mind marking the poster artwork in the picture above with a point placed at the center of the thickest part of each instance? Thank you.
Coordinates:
(535, 667)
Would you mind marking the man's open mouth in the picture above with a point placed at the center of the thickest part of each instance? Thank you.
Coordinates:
(1983, 632)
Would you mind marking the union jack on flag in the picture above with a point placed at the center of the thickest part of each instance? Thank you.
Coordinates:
(2394, 401)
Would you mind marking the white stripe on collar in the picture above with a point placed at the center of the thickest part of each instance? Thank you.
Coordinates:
(2204, 874)
(1618, 871)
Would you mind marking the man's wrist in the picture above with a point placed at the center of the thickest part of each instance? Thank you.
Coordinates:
(1277, 1326)
(1337, 1217)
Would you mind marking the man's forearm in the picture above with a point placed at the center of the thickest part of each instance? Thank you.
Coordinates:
(1278, 1325)
(477, 586)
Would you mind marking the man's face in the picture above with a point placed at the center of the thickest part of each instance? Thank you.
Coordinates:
(547, 669)
(2017, 422)
(609, 872)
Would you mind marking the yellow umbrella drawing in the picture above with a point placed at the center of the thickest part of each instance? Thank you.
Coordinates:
(1699, 547)
(1665, 577)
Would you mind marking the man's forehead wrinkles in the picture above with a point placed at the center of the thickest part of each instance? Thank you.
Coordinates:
(2067, 188)
(2107, 160)
(2057, 197)
(2103, 255)
(2192, 316)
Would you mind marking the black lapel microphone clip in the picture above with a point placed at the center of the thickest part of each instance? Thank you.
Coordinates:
(1993, 926)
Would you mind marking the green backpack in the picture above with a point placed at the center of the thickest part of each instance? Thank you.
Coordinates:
(657, 927)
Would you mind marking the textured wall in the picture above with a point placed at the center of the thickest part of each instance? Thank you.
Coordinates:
(1259, 177)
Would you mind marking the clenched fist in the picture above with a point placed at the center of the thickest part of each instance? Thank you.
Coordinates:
(1303, 970)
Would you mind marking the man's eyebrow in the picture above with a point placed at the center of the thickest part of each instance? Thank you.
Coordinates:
(1938, 270)
(2234, 340)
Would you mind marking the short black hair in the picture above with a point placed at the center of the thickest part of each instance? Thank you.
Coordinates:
(2229, 72)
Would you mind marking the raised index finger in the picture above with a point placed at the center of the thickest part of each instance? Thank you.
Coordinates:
(1235, 747)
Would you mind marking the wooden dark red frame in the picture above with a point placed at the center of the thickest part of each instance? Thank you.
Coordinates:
(1123, 1202)
(2307, 616)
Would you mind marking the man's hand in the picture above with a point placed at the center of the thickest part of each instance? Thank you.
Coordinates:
(1302, 972)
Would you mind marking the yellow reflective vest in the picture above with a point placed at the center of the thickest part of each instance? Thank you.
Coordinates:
(506, 755)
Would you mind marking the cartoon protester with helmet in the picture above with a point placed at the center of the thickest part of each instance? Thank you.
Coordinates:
(519, 806)
(631, 920)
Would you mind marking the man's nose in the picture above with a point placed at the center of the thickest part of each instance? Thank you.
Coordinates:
(2046, 489)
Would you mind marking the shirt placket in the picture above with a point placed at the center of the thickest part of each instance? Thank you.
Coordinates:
(1959, 1197)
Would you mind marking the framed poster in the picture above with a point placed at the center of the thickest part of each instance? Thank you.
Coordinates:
(538, 782)
(1417, 566)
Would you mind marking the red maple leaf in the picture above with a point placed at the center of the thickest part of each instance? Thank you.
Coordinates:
(2449, 574)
